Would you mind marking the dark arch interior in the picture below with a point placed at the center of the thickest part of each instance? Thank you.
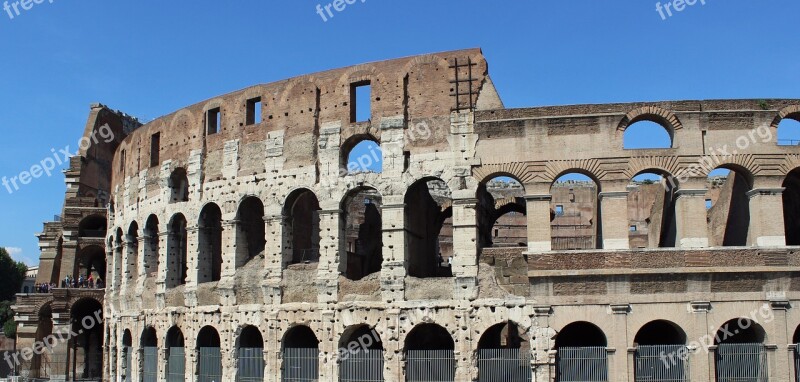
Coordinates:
(208, 338)
(300, 337)
(429, 236)
(429, 337)
(179, 186)
(177, 261)
(651, 210)
(729, 216)
(88, 345)
(648, 133)
(796, 337)
(503, 336)
(576, 214)
(740, 331)
(92, 261)
(251, 217)
(210, 244)
(581, 334)
(92, 226)
(363, 229)
(660, 333)
(127, 339)
(151, 232)
(251, 338)
(502, 211)
(361, 334)
(791, 207)
(175, 338)
(302, 209)
(149, 338)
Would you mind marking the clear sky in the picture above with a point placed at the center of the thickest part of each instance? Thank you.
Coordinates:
(149, 58)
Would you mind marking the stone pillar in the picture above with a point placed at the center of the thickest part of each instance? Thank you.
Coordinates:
(163, 359)
(138, 361)
(165, 264)
(330, 245)
(190, 292)
(465, 245)
(273, 259)
(393, 271)
(539, 230)
(618, 345)
(691, 218)
(779, 338)
(234, 255)
(328, 349)
(60, 353)
(614, 220)
(131, 251)
(701, 359)
(766, 218)
(230, 364)
(394, 357)
(116, 281)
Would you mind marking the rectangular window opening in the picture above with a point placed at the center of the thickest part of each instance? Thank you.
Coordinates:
(213, 121)
(254, 111)
(559, 210)
(360, 102)
(709, 204)
(155, 149)
(122, 162)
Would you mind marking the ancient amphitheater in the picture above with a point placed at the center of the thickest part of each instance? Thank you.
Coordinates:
(241, 244)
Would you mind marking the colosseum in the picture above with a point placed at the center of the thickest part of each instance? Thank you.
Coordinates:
(239, 242)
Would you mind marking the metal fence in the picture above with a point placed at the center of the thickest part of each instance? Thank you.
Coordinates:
(364, 366)
(176, 365)
(128, 363)
(210, 365)
(430, 366)
(662, 363)
(504, 365)
(251, 365)
(741, 363)
(150, 363)
(582, 364)
(300, 365)
(797, 362)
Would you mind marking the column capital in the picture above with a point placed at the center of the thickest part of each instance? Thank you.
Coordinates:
(231, 223)
(330, 212)
(272, 218)
(538, 198)
(393, 206)
(765, 192)
(465, 201)
(612, 195)
(691, 192)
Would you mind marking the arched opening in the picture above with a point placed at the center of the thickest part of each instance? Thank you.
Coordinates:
(363, 231)
(210, 244)
(741, 354)
(46, 364)
(729, 212)
(430, 354)
(300, 355)
(92, 226)
(791, 207)
(661, 352)
(504, 354)
(209, 365)
(252, 230)
(91, 266)
(651, 211)
(250, 355)
(86, 349)
(177, 252)
(302, 212)
(117, 263)
(576, 212)
(151, 240)
(429, 229)
(132, 254)
(789, 131)
(176, 355)
(361, 355)
(179, 186)
(361, 154)
(648, 134)
(502, 220)
(581, 353)
(127, 355)
(149, 362)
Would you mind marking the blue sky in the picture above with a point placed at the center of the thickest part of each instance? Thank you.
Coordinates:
(149, 58)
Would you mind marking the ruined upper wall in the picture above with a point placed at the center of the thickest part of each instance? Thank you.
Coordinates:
(409, 90)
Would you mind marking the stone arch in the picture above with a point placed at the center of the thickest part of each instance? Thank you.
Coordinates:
(660, 332)
(362, 225)
(92, 226)
(209, 226)
(346, 166)
(428, 234)
(302, 232)
(663, 117)
(251, 226)
(791, 111)
(177, 251)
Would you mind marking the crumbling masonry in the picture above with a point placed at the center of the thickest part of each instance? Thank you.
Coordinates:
(238, 238)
